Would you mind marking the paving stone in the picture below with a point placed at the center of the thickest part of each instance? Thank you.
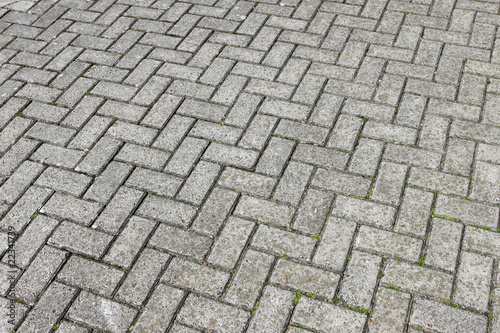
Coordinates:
(389, 311)
(443, 245)
(184, 157)
(90, 133)
(214, 211)
(360, 279)
(239, 157)
(100, 154)
(284, 242)
(141, 278)
(206, 313)
(181, 241)
(161, 111)
(101, 312)
(32, 239)
(264, 211)
(69, 207)
(166, 210)
(245, 181)
(132, 133)
(246, 285)
(472, 131)
(258, 132)
(48, 309)
(173, 133)
(313, 211)
(305, 278)
(62, 180)
(51, 133)
(90, 275)
(153, 181)
(444, 183)
(143, 156)
(275, 155)
(283, 109)
(485, 183)
(366, 158)
(480, 240)
(414, 212)
(390, 182)
(196, 277)
(273, 311)
(473, 281)
(293, 183)
(327, 317)
(388, 243)
(391, 133)
(322, 157)
(22, 212)
(363, 211)
(129, 243)
(199, 182)
(165, 129)
(20, 181)
(418, 279)
(435, 315)
(345, 132)
(39, 274)
(215, 132)
(118, 210)
(80, 239)
(160, 309)
(232, 240)
(105, 186)
(302, 132)
(466, 211)
(335, 243)
(341, 182)
(434, 132)
(123, 111)
(67, 326)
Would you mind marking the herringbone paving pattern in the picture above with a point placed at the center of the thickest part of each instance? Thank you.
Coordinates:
(250, 166)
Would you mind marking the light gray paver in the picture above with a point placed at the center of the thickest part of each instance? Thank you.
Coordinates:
(272, 313)
(389, 311)
(327, 317)
(360, 278)
(194, 276)
(438, 316)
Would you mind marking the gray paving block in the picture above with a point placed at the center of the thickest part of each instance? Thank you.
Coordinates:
(418, 279)
(327, 317)
(231, 242)
(39, 274)
(181, 241)
(80, 239)
(129, 243)
(249, 279)
(360, 279)
(110, 315)
(264, 211)
(142, 277)
(205, 313)
(273, 311)
(282, 242)
(435, 315)
(90, 275)
(196, 277)
(305, 278)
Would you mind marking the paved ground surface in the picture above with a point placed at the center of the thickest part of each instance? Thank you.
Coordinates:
(250, 166)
